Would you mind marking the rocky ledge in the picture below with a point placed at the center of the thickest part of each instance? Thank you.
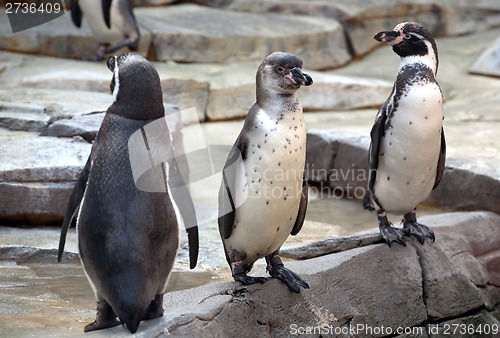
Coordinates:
(420, 289)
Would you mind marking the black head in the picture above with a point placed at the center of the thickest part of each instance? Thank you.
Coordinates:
(409, 39)
(282, 73)
(136, 87)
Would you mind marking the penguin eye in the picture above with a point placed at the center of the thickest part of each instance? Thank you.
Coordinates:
(280, 69)
(407, 36)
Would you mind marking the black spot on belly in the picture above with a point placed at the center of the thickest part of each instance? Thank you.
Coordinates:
(267, 202)
(404, 158)
(388, 178)
(278, 229)
(408, 123)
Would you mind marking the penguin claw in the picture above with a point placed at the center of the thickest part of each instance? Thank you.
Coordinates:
(248, 280)
(391, 234)
(418, 230)
(105, 318)
(290, 278)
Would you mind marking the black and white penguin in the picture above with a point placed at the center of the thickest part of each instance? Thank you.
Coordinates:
(263, 194)
(407, 151)
(128, 238)
(112, 22)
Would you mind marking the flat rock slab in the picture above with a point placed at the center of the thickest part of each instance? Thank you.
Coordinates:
(190, 33)
(58, 37)
(52, 82)
(363, 19)
(489, 62)
(480, 181)
(37, 175)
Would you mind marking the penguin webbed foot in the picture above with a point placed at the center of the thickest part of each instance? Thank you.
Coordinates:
(389, 233)
(155, 309)
(105, 318)
(412, 227)
(287, 276)
(248, 280)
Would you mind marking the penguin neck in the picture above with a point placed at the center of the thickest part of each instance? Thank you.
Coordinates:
(276, 103)
(430, 59)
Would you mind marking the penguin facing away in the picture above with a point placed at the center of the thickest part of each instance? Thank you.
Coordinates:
(127, 238)
(112, 23)
(408, 148)
(263, 197)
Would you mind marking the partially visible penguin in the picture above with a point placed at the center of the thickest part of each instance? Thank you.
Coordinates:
(408, 149)
(127, 238)
(263, 194)
(112, 23)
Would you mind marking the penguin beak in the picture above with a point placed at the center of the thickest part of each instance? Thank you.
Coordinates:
(297, 77)
(389, 37)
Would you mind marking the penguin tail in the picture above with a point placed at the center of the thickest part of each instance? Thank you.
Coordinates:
(130, 314)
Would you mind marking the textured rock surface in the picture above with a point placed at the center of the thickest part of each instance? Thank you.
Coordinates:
(489, 62)
(423, 287)
(191, 33)
(58, 37)
(442, 18)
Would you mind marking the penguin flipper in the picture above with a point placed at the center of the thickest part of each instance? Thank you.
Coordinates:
(73, 204)
(106, 10)
(441, 160)
(184, 202)
(227, 199)
(76, 13)
(376, 135)
(302, 207)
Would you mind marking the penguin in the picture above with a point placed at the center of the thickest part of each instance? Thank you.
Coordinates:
(128, 238)
(408, 149)
(112, 22)
(263, 193)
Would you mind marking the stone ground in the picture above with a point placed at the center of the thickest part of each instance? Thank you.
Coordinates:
(50, 110)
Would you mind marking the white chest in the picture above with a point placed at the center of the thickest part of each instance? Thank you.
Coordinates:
(272, 180)
(409, 151)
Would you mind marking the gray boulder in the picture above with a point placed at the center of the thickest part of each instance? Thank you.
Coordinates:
(37, 175)
(339, 159)
(417, 287)
(58, 37)
(190, 33)
(363, 19)
(489, 62)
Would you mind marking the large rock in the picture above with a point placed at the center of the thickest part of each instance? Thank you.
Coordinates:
(349, 171)
(489, 62)
(44, 102)
(362, 19)
(58, 37)
(336, 92)
(190, 33)
(37, 175)
(356, 289)
(182, 86)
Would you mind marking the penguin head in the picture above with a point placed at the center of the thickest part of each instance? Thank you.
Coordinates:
(282, 73)
(409, 39)
(135, 87)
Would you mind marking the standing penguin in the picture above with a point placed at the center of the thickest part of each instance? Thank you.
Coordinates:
(263, 194)
(127, 238)
(408, 149)
(112, 22)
